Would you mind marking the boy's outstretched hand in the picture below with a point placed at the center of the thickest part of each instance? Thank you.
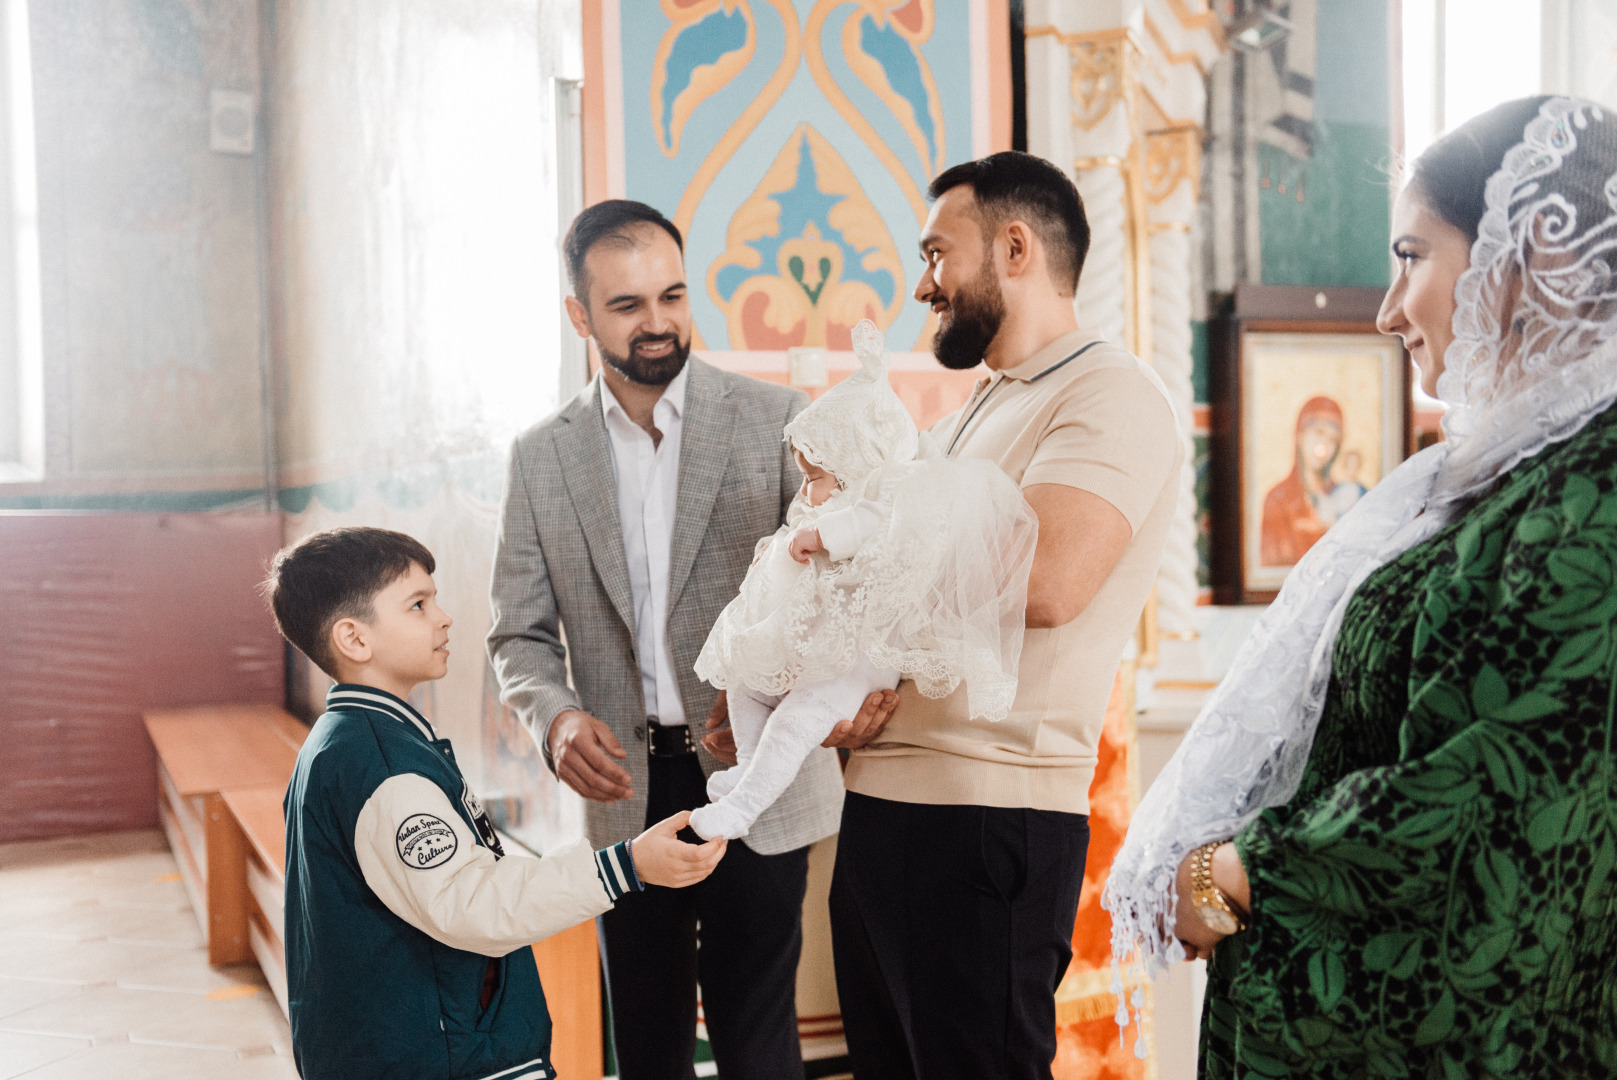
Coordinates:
(662, 858)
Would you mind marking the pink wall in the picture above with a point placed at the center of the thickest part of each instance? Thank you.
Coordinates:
(104, 615)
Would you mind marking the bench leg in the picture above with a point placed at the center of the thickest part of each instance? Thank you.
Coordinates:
(227, 886)
(570, 972)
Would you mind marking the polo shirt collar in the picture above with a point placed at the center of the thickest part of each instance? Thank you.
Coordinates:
(673, 397)
(356, 696)
(1048, 357)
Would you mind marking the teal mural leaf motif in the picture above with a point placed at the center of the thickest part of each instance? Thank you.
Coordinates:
(795, 265)
(701, 43)
(698, 56)
(898, 62)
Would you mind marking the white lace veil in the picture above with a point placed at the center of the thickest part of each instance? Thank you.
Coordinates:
(1533, 359)
(859, 425)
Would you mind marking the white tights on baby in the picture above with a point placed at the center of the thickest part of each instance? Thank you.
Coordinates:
(774, 734)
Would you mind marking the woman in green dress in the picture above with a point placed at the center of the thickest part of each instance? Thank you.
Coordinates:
(1393, 829)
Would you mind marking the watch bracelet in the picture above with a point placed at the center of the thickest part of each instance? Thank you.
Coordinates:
(1201, 882)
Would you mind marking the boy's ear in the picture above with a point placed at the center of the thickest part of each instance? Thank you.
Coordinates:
(351, 639)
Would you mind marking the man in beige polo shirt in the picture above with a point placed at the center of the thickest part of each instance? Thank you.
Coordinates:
(963, 843)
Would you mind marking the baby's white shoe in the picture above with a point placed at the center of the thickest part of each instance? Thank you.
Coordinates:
(718, 819)
(723, 782)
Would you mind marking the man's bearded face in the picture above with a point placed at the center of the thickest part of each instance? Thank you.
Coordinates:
(652, 359)
(971, 321)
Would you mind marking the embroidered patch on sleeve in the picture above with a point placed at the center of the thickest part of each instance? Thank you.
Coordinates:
(425, 841)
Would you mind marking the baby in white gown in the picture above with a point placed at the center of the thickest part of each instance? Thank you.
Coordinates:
(895, 562)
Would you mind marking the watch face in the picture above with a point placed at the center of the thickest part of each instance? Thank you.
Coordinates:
(1217, 919)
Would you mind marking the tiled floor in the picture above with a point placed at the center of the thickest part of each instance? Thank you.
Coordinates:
(103, 974)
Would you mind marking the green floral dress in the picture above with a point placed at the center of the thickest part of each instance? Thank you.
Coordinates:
(1440, 897)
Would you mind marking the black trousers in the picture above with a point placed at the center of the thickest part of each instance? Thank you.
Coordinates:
(952, 926)
(747, 918)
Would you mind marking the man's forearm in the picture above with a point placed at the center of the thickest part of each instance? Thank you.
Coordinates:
(526, 643)
(533, 683)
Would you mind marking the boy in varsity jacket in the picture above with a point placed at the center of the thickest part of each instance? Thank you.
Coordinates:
(407, 927)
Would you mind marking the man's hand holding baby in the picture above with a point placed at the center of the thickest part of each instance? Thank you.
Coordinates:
(805, 542)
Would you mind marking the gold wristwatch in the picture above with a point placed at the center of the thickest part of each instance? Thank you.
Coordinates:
(1210, 902)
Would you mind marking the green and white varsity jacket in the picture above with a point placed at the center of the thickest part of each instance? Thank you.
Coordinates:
(407, 927)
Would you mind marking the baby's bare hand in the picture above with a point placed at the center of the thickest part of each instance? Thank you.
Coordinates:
(662, 858)
(805, 542)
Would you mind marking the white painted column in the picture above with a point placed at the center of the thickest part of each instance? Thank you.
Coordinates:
(1172, 160)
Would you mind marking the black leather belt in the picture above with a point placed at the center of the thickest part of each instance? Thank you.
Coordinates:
(668, 740)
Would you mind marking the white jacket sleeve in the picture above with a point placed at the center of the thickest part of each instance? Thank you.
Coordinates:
(843, 532)
(424, 863)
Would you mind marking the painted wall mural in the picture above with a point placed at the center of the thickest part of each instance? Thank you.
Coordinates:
(792, 142)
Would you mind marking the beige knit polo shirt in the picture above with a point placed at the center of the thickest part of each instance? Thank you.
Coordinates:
(1093, 418)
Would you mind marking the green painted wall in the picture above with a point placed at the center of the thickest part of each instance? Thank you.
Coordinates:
(1337, 234)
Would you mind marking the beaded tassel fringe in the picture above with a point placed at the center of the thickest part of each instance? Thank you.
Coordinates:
(1137, 975)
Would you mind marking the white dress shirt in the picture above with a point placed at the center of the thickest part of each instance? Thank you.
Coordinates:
(648, 488)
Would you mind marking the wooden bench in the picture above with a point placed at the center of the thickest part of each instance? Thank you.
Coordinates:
(202, 753)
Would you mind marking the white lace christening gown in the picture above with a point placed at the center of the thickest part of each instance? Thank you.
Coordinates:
(924, 577)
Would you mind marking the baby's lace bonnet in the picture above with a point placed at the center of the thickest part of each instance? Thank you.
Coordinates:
(859, 425)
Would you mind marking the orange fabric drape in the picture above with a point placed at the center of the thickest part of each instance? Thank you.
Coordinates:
(1086, 1032)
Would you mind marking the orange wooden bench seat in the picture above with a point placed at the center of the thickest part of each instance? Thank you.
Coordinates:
(201, 753)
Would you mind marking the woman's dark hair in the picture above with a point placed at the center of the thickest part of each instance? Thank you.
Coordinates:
(612, 221)
(1452, 174)
(335, 575)
(1011, 185)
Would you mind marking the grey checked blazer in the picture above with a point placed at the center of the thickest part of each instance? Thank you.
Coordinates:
(561, 582)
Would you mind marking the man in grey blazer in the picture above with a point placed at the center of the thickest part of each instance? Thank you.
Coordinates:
(630, 518)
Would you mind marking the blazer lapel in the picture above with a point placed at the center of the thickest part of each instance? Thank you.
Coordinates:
(704, 453)
(586, 468)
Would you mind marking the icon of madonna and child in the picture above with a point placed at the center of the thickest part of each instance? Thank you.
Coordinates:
(1324, 483)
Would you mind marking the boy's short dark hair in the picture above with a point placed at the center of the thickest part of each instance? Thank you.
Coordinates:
(611, 221)
(1010, 186)
(335, 575)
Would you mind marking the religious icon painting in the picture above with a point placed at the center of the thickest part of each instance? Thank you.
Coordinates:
(1313, 410)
